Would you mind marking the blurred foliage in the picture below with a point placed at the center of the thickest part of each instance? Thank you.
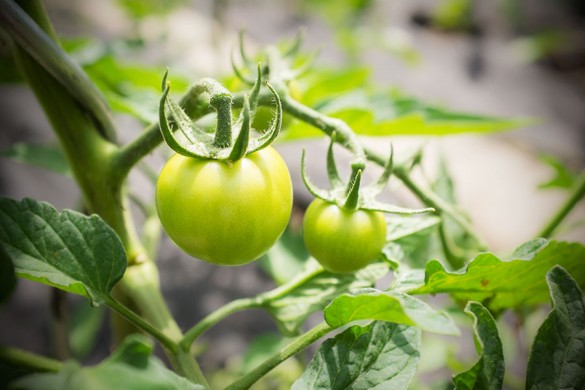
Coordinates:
(139, 9)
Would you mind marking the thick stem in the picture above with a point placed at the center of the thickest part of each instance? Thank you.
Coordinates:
(39, 41)
(20, 358)
(574, 197)
(294, 347)
(141, 285)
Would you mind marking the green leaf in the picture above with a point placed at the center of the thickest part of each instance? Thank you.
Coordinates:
(507, 283)
(378, 356)
(68, 250)
(389, 113)
(50, 157)
(411, 240)
(260, 349)
(7, 277)
(131, 89)
(488, 372)
(130, 367)
(563, 177)
(391, 306)
(557, 357)
(312, 290)
(85, 324)
(286, 258)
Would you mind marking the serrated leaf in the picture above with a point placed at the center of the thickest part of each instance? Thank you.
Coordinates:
(507, 283)
(312, 291)
(49, 157)
(557, 357)
(412, 240)
(488, 372)
(130, 367)
(68, 250)
(391, 306)
(378, 356)
(7, 276)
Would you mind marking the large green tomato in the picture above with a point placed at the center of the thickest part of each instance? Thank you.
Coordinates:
(343, 241)
(223, 213)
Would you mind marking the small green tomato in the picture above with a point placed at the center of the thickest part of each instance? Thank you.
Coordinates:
(343, 241)
(225, 213)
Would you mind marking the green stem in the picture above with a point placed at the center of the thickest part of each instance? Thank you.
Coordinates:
(574, 197)
(140, 323)
(40, 43)
(21, 358)
(141, 285)
(294, 347)
(343, 133)
(216, 316)
(428, 197)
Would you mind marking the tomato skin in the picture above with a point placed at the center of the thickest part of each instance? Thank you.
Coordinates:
(222, 213)
(343, 241)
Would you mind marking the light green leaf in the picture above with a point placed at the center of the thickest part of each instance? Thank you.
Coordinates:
(557, 357)
(312, 290)
(563, 177)
(412, 240)
(68, 250)
(390, 113)
(507, 283)
(379, 356)
(130, 367)
(391, 306)
(50, 157)
(488, 372)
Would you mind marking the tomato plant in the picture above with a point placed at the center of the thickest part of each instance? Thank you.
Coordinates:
(343, 240)
(225, 213)
(360, 277)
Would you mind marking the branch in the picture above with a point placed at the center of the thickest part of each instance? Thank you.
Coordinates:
(294, 347)
(574, 197)
(21, 358)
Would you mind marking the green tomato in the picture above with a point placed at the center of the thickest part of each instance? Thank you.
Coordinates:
(343, 241)
(227, 214)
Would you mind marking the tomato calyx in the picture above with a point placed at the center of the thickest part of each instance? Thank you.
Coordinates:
(231, 141)
(350, 196)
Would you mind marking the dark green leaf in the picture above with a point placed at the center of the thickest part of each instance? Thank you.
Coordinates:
(507, 283)
(488, 372)
(379, 356)
(391, 306)
(313, 290)
(557, 357)
(67, 250)
(130, 367)
(7, 277)
(50, 157)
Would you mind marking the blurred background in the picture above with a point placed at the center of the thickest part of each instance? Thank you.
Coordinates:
(517, 59)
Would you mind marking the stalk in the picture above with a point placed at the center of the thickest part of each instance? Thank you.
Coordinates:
(574, 197)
